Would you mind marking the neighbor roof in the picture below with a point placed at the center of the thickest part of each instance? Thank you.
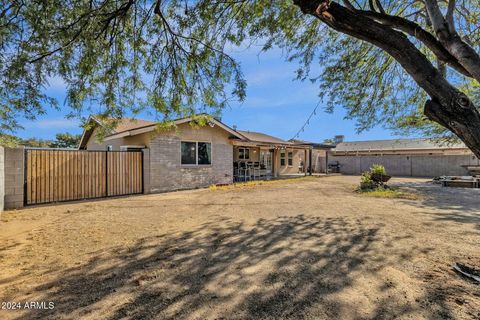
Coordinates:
(312, 144)
(262, 137)
(396, 144)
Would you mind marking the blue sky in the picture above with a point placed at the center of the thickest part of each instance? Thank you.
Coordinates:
(275, 104)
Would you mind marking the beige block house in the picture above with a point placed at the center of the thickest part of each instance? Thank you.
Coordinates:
(191, 156)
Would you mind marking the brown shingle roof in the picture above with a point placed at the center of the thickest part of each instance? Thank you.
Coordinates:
(126, 124)
(262, 137)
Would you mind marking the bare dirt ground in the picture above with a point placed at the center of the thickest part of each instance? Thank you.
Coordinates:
(302, 249)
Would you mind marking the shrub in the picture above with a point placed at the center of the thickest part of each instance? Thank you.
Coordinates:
(374, 178)
(366, 177)
(378, 169)
(366, 181)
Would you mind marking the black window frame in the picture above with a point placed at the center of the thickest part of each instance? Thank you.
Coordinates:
(245, 152)
(209, 153)
(197, 162)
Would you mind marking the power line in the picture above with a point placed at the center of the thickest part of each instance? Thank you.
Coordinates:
(314, 112)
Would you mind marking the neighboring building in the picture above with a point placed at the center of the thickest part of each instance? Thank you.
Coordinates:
(404, 157)
(189, 157)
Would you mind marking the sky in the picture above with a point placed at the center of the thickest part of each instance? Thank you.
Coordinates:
(275, 104)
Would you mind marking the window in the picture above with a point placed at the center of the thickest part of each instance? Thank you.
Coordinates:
(290, 158)
(243, 153)
(282, 158)
(131, 148)
(196, 153)
(204, 153)
(109, 147)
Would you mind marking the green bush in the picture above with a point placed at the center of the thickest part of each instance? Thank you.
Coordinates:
(374, 178)
(378, 169)
(366, 181)
(366, 177)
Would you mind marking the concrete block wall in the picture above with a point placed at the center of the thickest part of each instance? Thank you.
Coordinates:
(146, 171)
(166, 171)
(2, 179)
(14, 168)
(408, 165)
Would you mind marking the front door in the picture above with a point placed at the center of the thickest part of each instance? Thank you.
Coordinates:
(266, 157)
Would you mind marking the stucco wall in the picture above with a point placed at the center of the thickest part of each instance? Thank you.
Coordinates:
(166, 171)
(318, 161)
(298, 155)
(408, 165)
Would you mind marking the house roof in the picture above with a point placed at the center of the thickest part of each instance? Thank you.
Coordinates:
(312, 144)
(262, 137)
(130, 127)
(395, 145)
(126, 124)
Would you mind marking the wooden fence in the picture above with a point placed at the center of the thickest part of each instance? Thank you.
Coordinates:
(54, 175)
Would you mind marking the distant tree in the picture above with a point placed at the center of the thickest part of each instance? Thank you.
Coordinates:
(405, 64)
(66, 140)
(7, 140)
(62, 140)
(36, 143)
(329, 141)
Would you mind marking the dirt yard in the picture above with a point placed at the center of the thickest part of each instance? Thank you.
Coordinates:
(301, 249)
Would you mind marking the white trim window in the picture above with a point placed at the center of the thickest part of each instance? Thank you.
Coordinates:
(196, 153)
(243, 153)
(282, 158)
(290, 158)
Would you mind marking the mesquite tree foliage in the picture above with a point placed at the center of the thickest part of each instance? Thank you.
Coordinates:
(406, 64)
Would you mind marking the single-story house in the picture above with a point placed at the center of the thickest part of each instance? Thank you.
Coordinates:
(404, 157)
(191, 156)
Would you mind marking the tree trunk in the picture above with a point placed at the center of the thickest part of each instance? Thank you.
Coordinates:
(448, 107)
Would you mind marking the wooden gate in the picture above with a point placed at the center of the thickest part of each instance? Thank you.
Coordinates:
(54, 175)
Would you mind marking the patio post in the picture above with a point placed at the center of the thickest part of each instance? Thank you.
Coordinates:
(310, 149)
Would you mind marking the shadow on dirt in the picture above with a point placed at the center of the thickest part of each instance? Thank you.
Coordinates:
(288, 267)
(460, 205)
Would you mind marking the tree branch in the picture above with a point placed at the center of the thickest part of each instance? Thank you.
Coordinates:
(450, 39)
(418, 32)
(449, 15)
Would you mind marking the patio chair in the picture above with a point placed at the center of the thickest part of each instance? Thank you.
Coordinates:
(236, 176)
(256, 170)
(244, 171)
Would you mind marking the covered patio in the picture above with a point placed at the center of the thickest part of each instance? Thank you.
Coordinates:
(265, 157)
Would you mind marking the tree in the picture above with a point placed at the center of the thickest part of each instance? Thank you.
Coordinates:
(406, 64)
(63, 140)
(66, 140)
(329, 141)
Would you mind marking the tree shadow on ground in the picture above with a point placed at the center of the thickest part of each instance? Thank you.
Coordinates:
(288, 267)
(460, 205)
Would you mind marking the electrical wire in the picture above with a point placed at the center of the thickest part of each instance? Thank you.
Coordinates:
(314, 112)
